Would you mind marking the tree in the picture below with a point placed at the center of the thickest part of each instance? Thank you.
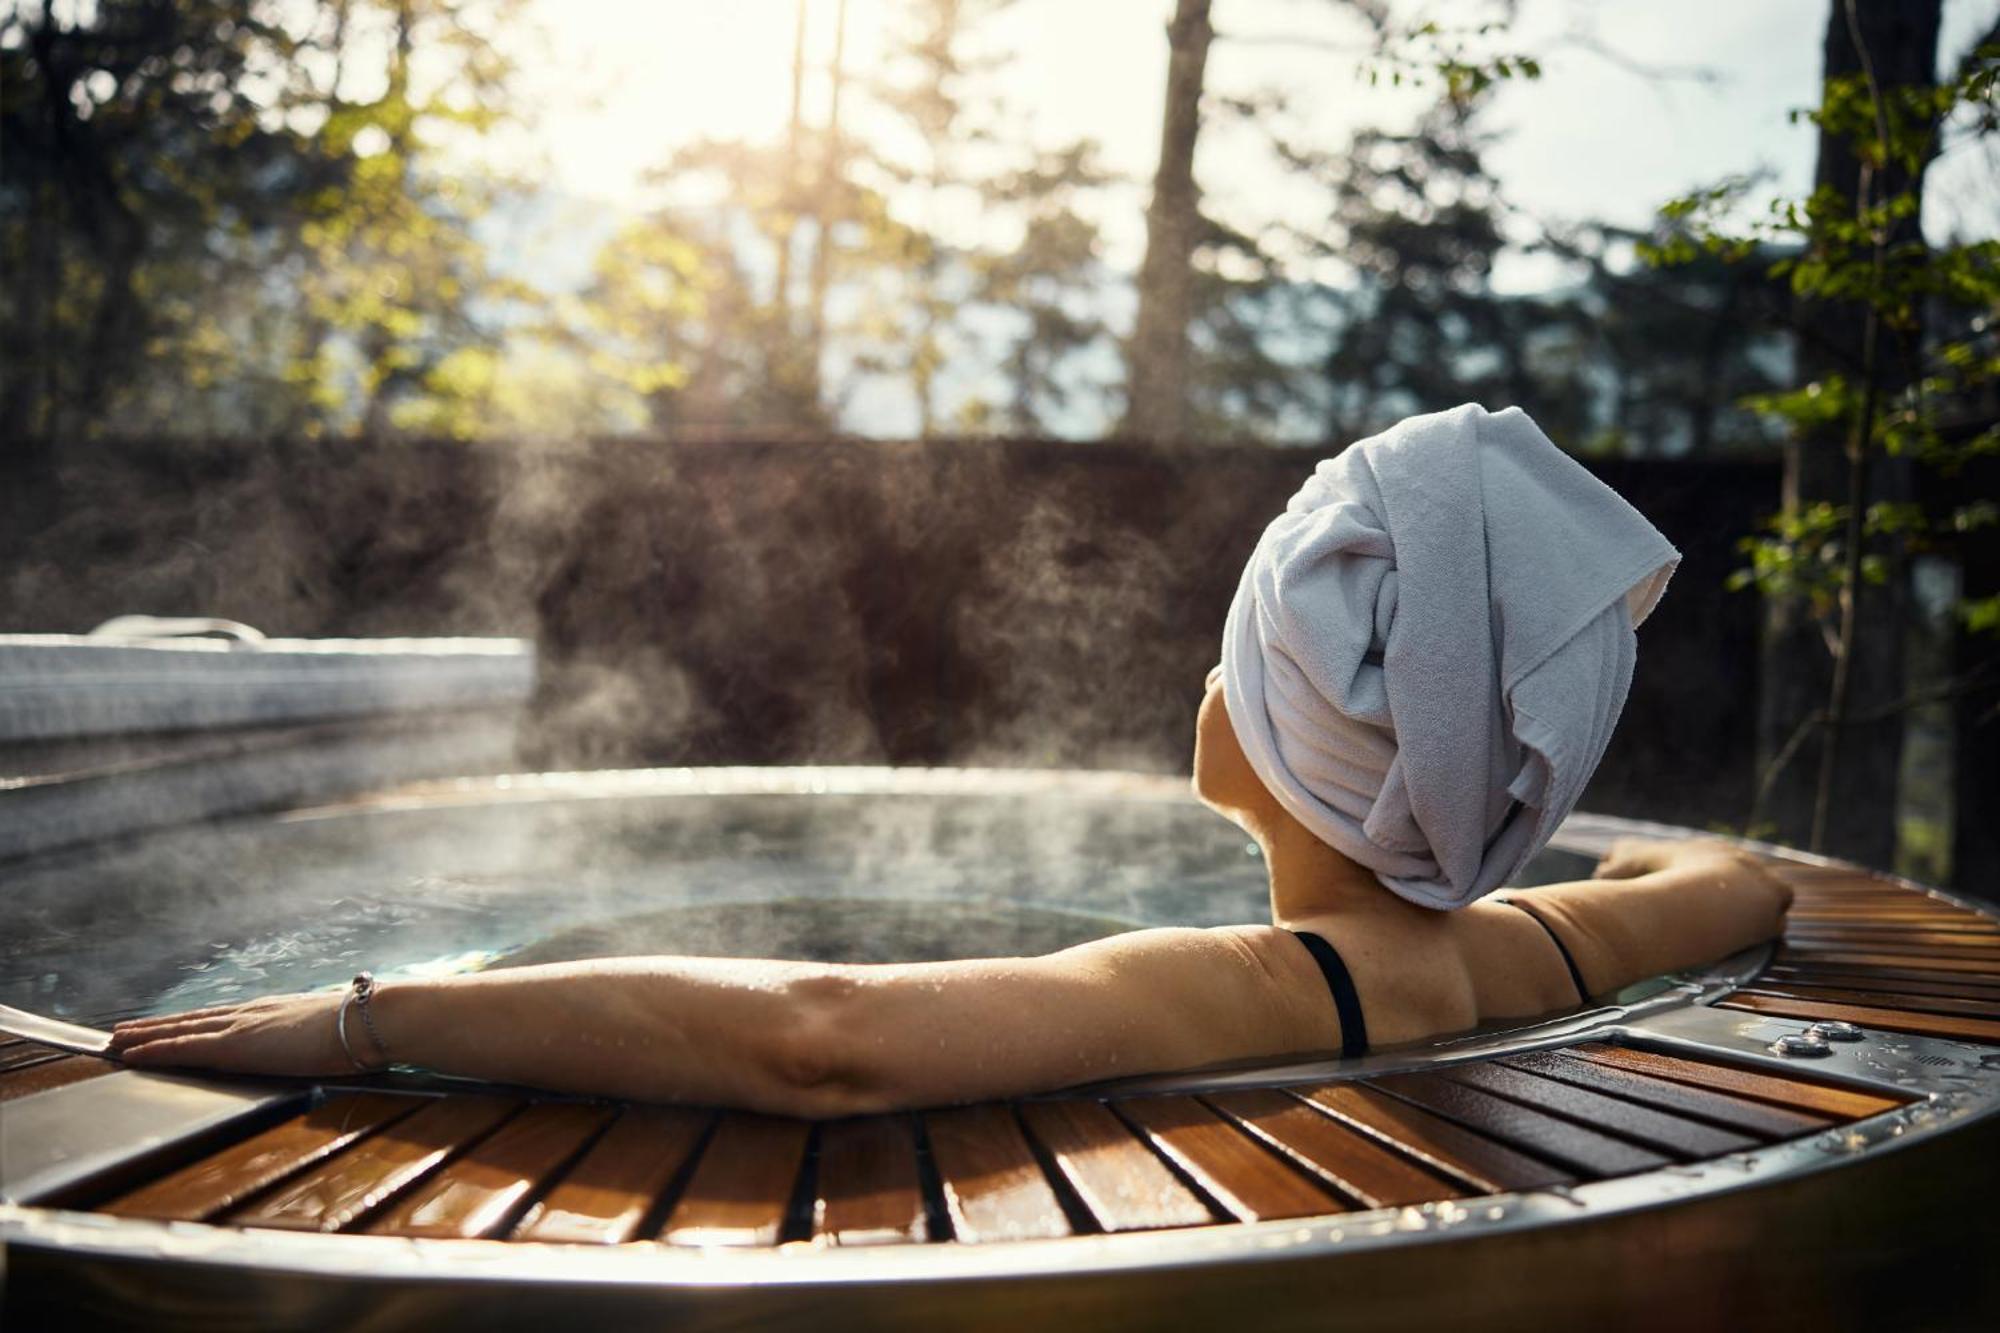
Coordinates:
(131, 140)
(1207, 283)
(1047, 285)
(210, 225)
(1420, 221)
(675, 311)
(1893, 335)
(1157, 407)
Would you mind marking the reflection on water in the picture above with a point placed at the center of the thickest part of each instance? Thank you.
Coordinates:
(261, 906)
(851, 930)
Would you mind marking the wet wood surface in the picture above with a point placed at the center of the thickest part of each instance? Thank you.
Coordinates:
(1481, 1164)
(1361, 1169)
(1759, 1119)
(342, 1191)
(742, 1188)
(1894, 1020)
(59, 1071)
(1880, 944)
(479, 1192)
(993, 1187)
(15, 1054)
(1905, 1000)
(1121, 1182)
(608, 1195)
(1800, 1094)
(1980, 934)
(1969, 986)
(1250, 1181)
(1876, 957)
(1547, 1136)
(869, 1192)
(215, 1184)
(1648, 1126)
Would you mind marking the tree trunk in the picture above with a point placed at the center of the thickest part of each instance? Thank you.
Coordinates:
(1975, 786)
(826, 206)
(1900, 45)
(1156, 380)
(788, 188)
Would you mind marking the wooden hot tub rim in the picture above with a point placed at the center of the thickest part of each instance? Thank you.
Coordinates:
(1206, 1156)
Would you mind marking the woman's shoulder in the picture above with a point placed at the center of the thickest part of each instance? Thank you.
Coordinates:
(1412, 972)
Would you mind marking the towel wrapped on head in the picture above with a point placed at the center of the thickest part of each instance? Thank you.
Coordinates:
(1430, 647)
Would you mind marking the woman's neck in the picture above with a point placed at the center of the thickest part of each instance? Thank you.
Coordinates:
(1309, 879)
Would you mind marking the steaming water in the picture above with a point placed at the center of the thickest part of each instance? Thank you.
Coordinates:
(262, 906)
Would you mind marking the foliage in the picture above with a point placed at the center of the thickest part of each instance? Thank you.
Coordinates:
(1868, 252)
(225, 214)
(702, 312)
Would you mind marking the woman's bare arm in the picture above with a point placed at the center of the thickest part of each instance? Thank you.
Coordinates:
(800, 1038)
(1658, 907)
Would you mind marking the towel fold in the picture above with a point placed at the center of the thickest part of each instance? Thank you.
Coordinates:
(1430, 647)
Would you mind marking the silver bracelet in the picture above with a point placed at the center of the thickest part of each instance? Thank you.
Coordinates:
(359, 992)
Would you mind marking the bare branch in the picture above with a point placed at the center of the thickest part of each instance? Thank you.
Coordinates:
(1586, 40)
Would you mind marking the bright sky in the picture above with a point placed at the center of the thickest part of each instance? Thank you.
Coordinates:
(620, 83)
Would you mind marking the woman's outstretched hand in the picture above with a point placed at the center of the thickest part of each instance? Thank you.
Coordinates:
(1629, 858)
(281, 1034)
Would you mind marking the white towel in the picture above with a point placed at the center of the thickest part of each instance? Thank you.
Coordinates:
(1431, 645)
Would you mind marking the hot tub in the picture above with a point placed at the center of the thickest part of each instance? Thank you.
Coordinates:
(1791, 1133)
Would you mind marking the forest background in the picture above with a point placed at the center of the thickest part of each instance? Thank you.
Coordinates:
(308, 222)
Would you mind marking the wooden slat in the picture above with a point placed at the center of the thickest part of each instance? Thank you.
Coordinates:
(869, 1193)
(1806, 945)
(1356, 1165)
(1538, 1132)
(1720, 1108)
(16, 1054)
(1968, 942)
(1973, 930)
(1814, 900)
(478, 1193)
(1927, 1004)
(1650, 1127)
(1950, 921)
(1807, 870)
(1867, 915)
(1479, 1163)
(1236, 1170)
(1798, 1093)
(1918, 915)
(1914, 984)
(1121, 1182)
(609, 1193)
(1886, 958)
(993, 1187)
(214, 1184)
(1973, 985)
(1894, 1020)
(25, 1080)
(1817, 901)
(344, 1190)
(743, 1185)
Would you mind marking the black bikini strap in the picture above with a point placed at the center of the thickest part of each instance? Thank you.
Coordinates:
(1576, 977)
(1346, 1003)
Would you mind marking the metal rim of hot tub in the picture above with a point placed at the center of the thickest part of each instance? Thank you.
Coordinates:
(1142, 1276)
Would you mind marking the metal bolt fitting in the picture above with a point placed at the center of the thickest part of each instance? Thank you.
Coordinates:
(1807, 1045)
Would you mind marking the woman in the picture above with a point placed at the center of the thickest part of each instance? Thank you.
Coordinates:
(1420, 670)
